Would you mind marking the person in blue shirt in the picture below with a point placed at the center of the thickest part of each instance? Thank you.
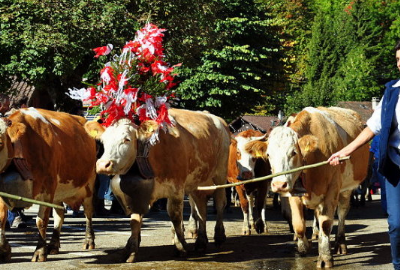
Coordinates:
(385, 122)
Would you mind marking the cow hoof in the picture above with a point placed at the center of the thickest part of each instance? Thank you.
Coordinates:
(340, 249)
(219, 240)
(314, 236)
(180, 253)
(201, 244)
(39, 256)
(192, 234)
(131, 258)
(5, 258)
(260, 230)
(247, 232)
(303, 246)
(219, 236)
(89, 245)
(324, 263)
(53, 250)
(259, 226)
(5, 252)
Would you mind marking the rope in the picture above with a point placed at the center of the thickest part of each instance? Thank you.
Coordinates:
(19, 198)
(269, 176)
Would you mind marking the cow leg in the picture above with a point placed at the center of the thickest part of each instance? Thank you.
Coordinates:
(343, 209)
(54, 246)
(325, 214)
(200, 201)
(250, 198)
(315, 229)
(42, 221)
(193, 220)
(244, 204)
(299, 225)
(220, 203)
(89, 232)
(5, 248)
(287, 213)
(175, 212)
(260, 225)
(132, 246)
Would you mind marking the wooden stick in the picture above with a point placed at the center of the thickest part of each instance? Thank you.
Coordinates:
(269, 176)
(19, 198)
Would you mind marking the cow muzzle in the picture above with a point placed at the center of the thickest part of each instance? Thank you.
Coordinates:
(279, 186)
(104, 166)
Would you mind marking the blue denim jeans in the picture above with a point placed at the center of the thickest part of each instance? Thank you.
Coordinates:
(105, 191)
(11, 216)
(393, 208)
(377, 176)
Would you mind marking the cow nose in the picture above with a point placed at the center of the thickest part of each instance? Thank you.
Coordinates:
(247, 175)
(104, 166)
(279, 186)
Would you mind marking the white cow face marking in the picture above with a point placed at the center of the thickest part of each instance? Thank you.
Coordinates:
(245, 161)
(284, 154)
(120, 148)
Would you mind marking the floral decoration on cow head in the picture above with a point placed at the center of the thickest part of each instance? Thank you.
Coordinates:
(136, 84)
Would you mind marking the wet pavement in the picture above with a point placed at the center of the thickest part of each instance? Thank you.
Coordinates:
(367, 239)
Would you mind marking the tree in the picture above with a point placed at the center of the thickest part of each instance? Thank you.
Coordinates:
(48, 43)
(240, 72)
(342, 57)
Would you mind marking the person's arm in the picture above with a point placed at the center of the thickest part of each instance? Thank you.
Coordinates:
(365, 136)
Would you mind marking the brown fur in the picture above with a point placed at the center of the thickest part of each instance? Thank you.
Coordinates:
(58, 151)
(322, 133)
(262, 169)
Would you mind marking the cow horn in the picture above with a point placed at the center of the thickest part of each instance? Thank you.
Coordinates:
(260, 138)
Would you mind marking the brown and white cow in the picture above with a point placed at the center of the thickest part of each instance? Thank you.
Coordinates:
(192, 153)
(244, 164)
(312, 137)
(59, 157)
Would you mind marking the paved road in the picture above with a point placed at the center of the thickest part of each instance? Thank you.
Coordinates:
(366, 234)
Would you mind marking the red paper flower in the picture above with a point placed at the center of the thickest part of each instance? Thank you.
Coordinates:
(103, 50)
(123, 80)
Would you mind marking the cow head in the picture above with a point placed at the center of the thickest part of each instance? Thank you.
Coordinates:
(286, 151)
(9, 133)
(247, 154)
(120, 143)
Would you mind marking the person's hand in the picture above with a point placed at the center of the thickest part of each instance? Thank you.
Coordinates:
(334, 159)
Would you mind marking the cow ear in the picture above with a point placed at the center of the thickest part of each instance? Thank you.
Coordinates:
(94, 129)
(257, 149)
(308, 144)
(147, 129)
(15, 131)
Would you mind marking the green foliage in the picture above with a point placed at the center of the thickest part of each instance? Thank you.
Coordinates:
(48, 43)
(342, 57)
(250, 56)
(234, 77)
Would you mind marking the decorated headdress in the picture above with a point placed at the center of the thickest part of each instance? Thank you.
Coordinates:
(136, 84)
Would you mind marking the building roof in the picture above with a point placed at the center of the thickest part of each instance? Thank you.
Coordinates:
(19, 90)
(363, 108)
(257, 122)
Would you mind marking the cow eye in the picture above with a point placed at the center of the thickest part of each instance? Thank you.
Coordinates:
(293, 153)
(127, 140)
